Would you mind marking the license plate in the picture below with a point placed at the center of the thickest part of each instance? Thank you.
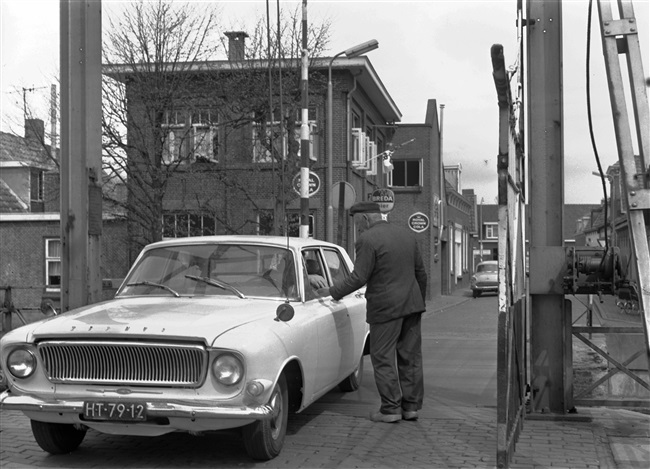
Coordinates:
(106, 410)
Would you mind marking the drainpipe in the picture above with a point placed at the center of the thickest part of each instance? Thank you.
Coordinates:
(339, 234)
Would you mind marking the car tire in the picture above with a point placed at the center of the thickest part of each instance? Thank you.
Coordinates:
(476, 293)
(57, 438)
(353, 381)
(264, 439)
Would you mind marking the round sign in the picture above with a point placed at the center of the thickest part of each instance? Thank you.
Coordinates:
(418, 222)
(385, 198)
(349, 194)
(314, 183)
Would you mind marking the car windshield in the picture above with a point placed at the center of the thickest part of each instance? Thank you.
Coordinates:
(487, 268)
(236, 270)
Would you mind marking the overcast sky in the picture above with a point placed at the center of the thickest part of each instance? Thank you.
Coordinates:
(433, 49)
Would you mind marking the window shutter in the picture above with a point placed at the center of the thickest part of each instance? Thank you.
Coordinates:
(372, 159)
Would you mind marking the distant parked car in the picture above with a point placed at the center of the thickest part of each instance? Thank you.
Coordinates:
(485, 279)
(204, 334)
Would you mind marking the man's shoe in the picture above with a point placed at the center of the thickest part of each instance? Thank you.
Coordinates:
(410, 414)
(386, 418)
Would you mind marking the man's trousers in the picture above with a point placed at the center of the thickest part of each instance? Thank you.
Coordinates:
(396, 354)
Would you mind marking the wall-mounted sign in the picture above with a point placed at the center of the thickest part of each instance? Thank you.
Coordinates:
(314, 183)
(435, 215)
(385, 198)
(418, 222)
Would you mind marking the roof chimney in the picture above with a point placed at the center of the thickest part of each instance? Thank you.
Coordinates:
(236, 44)
(35, 129)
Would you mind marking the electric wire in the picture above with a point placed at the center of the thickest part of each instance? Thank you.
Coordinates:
(591, 128)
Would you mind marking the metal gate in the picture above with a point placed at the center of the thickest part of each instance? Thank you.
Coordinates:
(512, 324)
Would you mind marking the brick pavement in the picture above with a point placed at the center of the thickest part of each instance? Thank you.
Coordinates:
(339, 435)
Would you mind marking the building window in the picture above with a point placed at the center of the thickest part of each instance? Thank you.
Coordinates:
(205, 135)
(491, 231)
(181, 225)
(267, 138)
(192, 137)
(36, 185)
(405, 173)
(53, 264)
(265, 223)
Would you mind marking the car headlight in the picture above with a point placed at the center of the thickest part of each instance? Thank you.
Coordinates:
(227, 369)
(21, 363)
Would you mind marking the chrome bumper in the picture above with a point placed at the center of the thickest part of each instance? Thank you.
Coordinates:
(154, 409)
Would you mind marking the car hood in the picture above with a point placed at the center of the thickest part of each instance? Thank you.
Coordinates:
(156, 317)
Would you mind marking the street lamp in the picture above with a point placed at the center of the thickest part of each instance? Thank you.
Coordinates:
(350, 53)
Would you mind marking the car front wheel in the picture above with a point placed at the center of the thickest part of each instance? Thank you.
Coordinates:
(57, 438)
(476, 293)
(264, 439)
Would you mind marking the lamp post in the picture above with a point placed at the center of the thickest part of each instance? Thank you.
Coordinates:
(350, 53)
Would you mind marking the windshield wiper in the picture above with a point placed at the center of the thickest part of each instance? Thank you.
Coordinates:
(153, 284)
(216, 283)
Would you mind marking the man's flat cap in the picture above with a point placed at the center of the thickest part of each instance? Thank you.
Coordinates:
(365, 207)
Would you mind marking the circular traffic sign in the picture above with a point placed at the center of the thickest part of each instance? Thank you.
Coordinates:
(349, 194)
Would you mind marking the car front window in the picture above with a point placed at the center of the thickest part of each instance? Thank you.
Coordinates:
(236, 270)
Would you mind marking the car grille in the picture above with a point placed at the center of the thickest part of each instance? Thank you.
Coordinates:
(129, 363)
(487, 284)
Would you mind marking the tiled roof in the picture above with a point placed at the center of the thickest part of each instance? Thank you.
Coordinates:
(9, 201)
(18, 149)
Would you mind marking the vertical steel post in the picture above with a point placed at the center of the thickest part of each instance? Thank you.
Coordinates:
(546, 126)
(81, 152)
(304, 131)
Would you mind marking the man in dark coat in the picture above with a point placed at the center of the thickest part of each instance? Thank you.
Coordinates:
(389, 262)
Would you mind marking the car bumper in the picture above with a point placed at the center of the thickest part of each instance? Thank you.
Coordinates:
(483, 288)
(155, 409)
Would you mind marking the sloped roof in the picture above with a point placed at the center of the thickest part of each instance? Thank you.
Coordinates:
(29, 152)
(9, 201)
(360, 67)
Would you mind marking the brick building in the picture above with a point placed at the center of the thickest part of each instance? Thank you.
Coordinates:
(228, 173)
(30, 231)
(235, 179)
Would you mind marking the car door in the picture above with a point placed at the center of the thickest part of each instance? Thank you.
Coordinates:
(341, 328)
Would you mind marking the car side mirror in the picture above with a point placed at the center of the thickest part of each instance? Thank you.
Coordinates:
(284, 312)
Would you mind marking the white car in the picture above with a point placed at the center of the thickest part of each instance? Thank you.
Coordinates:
(205, 333)
(485, 279)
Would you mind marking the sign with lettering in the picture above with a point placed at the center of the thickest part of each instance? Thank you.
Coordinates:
(418, 222)
(385, 198)
(314, 183)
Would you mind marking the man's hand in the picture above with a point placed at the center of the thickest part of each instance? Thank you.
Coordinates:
(317, 281)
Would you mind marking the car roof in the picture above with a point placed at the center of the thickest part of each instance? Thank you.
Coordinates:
(280, 241)
(488, 262)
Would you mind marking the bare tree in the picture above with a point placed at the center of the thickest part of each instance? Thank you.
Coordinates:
(172, 118)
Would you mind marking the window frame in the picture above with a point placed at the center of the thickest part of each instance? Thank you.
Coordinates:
(184, 126)
(262, 155)
(491, 231)
(405, 161)
(51, 259)
(190, 231)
